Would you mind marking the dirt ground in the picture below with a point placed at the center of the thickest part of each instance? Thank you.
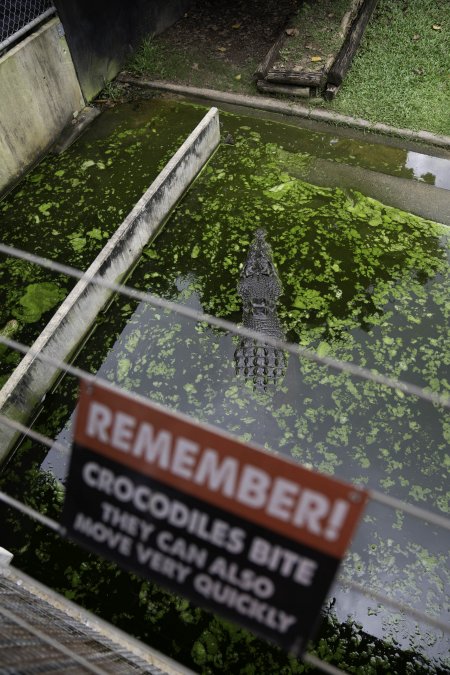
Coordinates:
(218, 44)
(237, 31)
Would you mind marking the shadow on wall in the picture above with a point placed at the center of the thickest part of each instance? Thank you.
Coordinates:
(102, 33)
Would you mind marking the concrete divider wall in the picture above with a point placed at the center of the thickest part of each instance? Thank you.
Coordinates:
(32, 378)
(39, 92)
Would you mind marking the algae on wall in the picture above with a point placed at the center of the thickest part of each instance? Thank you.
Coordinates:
(40, 94)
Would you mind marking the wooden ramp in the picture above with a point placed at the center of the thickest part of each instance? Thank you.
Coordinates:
(315, 50)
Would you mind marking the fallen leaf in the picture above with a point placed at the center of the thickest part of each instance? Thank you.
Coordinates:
(418, 71)
(416, 37)
(292, 32)
(238, 77)
(221, 49)
(236, 26)
(437, 26)
(195, 66)
(315, 59)
(309, 46)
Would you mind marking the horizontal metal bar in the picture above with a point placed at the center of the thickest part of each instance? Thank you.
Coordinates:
(395, 604)
(32, 513)
(387, 500)
(183, 310)
(325, 667)
(9, 41)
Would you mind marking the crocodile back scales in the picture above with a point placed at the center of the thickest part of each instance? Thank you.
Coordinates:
(259, 288)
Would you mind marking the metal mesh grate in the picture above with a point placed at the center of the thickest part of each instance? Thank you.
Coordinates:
(37, 637)
(16, 16)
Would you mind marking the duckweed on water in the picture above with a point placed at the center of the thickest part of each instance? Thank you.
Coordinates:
(362, 282)
(37, 299)
(68, 207)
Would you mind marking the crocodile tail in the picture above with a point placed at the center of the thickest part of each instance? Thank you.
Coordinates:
(260, 363)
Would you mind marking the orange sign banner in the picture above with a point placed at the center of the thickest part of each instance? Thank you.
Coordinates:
(270, 491)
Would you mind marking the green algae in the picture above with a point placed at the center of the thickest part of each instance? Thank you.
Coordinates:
(9, 329)
(363, 282)
(38, 299)
(68, 207)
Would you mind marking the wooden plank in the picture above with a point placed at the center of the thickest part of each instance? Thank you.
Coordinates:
(309, 52)
(273, 88)
(281, 75)
(270, 57)
(300, 77)
(350, 16)
(306, 71)
(343, 60)
(330, 92)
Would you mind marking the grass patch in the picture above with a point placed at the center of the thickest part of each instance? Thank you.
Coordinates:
(401, 72)
(113, 91)
(154, 58)
(318, 26)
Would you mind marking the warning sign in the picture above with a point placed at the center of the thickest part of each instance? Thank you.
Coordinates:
(239, 531)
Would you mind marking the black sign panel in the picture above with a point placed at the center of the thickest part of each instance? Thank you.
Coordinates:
(235, 565)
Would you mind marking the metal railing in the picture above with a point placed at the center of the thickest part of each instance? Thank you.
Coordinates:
(41, 631)
(17, 17)
(438, 520)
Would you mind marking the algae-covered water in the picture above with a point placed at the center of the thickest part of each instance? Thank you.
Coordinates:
(362, 281)
(69, 205)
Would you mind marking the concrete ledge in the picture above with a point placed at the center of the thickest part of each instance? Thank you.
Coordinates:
(289, 108)
(5, 557)
(421, 199)
(75, 129)
(32, 378)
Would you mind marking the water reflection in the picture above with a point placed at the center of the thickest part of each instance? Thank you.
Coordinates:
(432, 170)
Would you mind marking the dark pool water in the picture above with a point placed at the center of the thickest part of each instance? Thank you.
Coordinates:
(362, 281)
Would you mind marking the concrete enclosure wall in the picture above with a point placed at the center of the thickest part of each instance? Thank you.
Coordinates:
(39, 92)
(33, 377)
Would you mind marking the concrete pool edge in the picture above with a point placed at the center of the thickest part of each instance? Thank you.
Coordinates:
(288, 108)
(32, 378)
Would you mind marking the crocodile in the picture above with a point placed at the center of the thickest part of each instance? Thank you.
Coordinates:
(259, 288)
